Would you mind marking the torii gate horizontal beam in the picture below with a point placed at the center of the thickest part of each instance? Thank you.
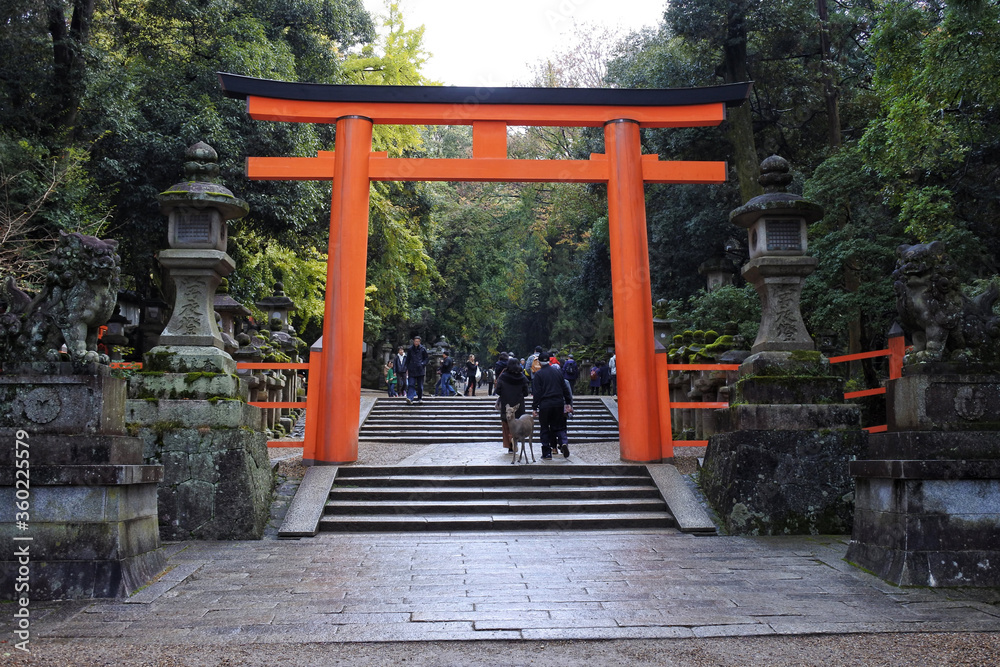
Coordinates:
(456, 105)
(382, 168)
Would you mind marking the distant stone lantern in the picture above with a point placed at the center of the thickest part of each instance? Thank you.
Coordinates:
(776, 223)
(718, 271)
(229, 309)
(277, 306)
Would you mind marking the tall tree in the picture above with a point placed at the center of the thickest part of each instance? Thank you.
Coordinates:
(937, 141)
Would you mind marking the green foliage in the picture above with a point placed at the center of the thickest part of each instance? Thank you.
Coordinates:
(263, 261)
(705, 311)
(935, 142)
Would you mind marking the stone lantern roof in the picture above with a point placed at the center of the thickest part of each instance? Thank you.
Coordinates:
(223, 303)
(775, 201)
(277, 301)
(201, 189)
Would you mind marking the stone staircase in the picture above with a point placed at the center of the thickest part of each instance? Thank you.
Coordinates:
(460, 419)
(483, 498)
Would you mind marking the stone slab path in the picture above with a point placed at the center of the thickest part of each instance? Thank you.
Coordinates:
(527, 586)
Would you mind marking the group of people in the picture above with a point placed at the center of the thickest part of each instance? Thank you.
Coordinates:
(604, 378)
(408, 368)
(551, 398)
(547, 380)
(471, 374)
(406, 371)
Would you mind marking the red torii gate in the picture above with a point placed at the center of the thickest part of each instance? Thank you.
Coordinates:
(352, 166)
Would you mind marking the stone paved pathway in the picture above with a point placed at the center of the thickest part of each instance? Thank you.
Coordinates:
(393, 587)
(478, 454)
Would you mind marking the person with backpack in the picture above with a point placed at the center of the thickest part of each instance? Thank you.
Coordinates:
(606, 380)
(532, 364)
(595, 378)
(490, 376)
(571, 371)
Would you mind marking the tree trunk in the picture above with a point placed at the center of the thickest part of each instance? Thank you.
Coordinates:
(740, 131)
(69, 64)
(829, 82)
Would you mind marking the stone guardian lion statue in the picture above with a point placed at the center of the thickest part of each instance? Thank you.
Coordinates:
(943, 323)
(80, 294)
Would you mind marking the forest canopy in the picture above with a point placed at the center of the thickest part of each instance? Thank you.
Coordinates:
(888, 111)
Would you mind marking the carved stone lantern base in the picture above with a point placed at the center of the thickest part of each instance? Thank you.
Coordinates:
(196, 274)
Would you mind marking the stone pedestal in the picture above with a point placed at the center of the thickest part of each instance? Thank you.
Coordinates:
(196, 275)
(217, 478)
(91, 512)
(928, 493)
(781, 466)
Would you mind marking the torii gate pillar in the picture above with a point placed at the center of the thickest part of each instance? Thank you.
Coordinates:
(639, 421)
(343, 337)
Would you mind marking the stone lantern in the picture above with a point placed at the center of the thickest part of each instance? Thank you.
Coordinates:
(197, 211)
(776, 223)
(780, 464)
(718, 271)
(190, 407)
(229, 309)
(276, 308)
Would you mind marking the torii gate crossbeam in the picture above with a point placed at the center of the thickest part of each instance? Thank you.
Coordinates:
(352, 166)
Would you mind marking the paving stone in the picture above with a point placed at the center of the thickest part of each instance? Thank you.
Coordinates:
(399, 587)
(745, 630)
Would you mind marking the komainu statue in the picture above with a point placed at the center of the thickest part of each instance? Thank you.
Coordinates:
(80, 294)
(943, 323)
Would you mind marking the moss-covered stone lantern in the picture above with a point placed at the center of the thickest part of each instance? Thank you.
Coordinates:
(776, 223)
(197, 210)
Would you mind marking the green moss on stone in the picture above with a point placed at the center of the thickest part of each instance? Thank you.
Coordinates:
(194, 377)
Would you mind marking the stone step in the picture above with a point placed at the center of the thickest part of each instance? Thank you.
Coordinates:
(491, 506)
(615, 469)
(444, 438)
(405, 494)
(509, 522)
(492, 480)
(492, 497)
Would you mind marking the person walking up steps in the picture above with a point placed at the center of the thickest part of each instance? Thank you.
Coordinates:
(551, 402)
(416, 370)
(444, 383)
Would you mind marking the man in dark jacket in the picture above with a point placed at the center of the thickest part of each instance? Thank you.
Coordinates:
(416, 369)
(551, 401)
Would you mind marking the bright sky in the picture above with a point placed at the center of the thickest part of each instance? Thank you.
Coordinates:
(479, 43)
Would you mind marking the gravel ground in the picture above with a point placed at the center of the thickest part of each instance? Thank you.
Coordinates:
(902, 650)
